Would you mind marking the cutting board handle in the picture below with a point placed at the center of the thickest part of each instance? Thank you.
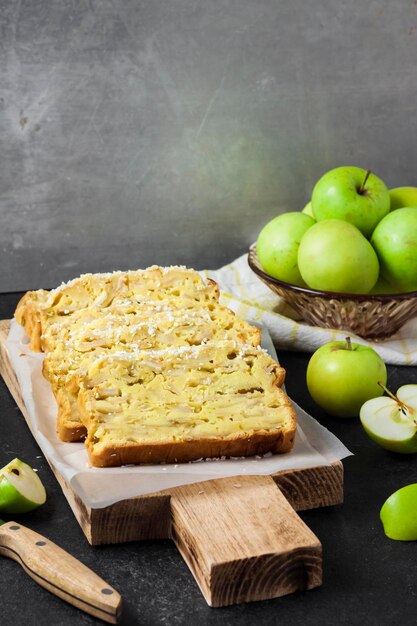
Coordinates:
(243, 541)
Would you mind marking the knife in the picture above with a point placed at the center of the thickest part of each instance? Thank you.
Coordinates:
(59, 572)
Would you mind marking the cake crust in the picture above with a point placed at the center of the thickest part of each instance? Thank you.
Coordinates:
(258, 443)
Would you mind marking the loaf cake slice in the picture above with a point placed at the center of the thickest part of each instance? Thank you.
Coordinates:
(94, 332)
(27, 314)
(38, 309)
(180, 404)
(178, 322)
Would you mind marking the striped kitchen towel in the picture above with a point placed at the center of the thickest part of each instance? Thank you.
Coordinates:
(251, 299)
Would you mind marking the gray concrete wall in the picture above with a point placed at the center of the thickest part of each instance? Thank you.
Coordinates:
(169, 131)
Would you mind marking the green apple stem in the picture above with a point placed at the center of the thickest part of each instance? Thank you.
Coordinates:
(404, 408)
(348, 343)
(362, 189)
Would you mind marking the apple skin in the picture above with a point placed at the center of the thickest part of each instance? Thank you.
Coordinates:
(401, 428)
(395, 242)
(308, 209)
(277, 246)
(13, 500)
(382, 288)
(340, 380)
(338, 195)
(399, 514)
(334, 256)
(403, 197)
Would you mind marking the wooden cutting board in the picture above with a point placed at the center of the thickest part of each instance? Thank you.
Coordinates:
(241, 537)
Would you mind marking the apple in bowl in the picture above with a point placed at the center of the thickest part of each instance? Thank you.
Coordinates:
(333, 255)
(278, 243)
(403, 196)
(395, 242)
(351, 194)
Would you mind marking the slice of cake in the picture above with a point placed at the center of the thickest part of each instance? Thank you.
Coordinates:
(181, 404)
(37, 310)
(178, 322)
(123, 327)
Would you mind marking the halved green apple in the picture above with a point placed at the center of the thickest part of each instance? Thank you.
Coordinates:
(399, 514)
(391, 421)
(21, 489)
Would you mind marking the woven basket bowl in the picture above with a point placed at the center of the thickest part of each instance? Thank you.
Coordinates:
(373, 317)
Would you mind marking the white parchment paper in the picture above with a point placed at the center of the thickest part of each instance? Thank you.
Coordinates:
(100, 487)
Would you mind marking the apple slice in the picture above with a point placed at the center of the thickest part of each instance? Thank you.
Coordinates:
(399, 513)
(391, 420)
(21, 489)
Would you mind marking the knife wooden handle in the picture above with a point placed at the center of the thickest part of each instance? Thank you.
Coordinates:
(59, 572)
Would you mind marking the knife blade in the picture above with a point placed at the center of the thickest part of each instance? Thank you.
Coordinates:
(59, 572)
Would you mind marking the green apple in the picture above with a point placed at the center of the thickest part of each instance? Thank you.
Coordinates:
(277, 246)
(334, 256)
(308, 209)
(351, 194)
(391, 421)
(402, 197)
(21, 489)
(395, 242)
(341, 376)
(382, 288)
(399, 514)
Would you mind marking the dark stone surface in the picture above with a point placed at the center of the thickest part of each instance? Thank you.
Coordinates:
(368, 579)
(187, 123)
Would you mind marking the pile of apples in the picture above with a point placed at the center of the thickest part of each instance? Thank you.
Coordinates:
(355, 236)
